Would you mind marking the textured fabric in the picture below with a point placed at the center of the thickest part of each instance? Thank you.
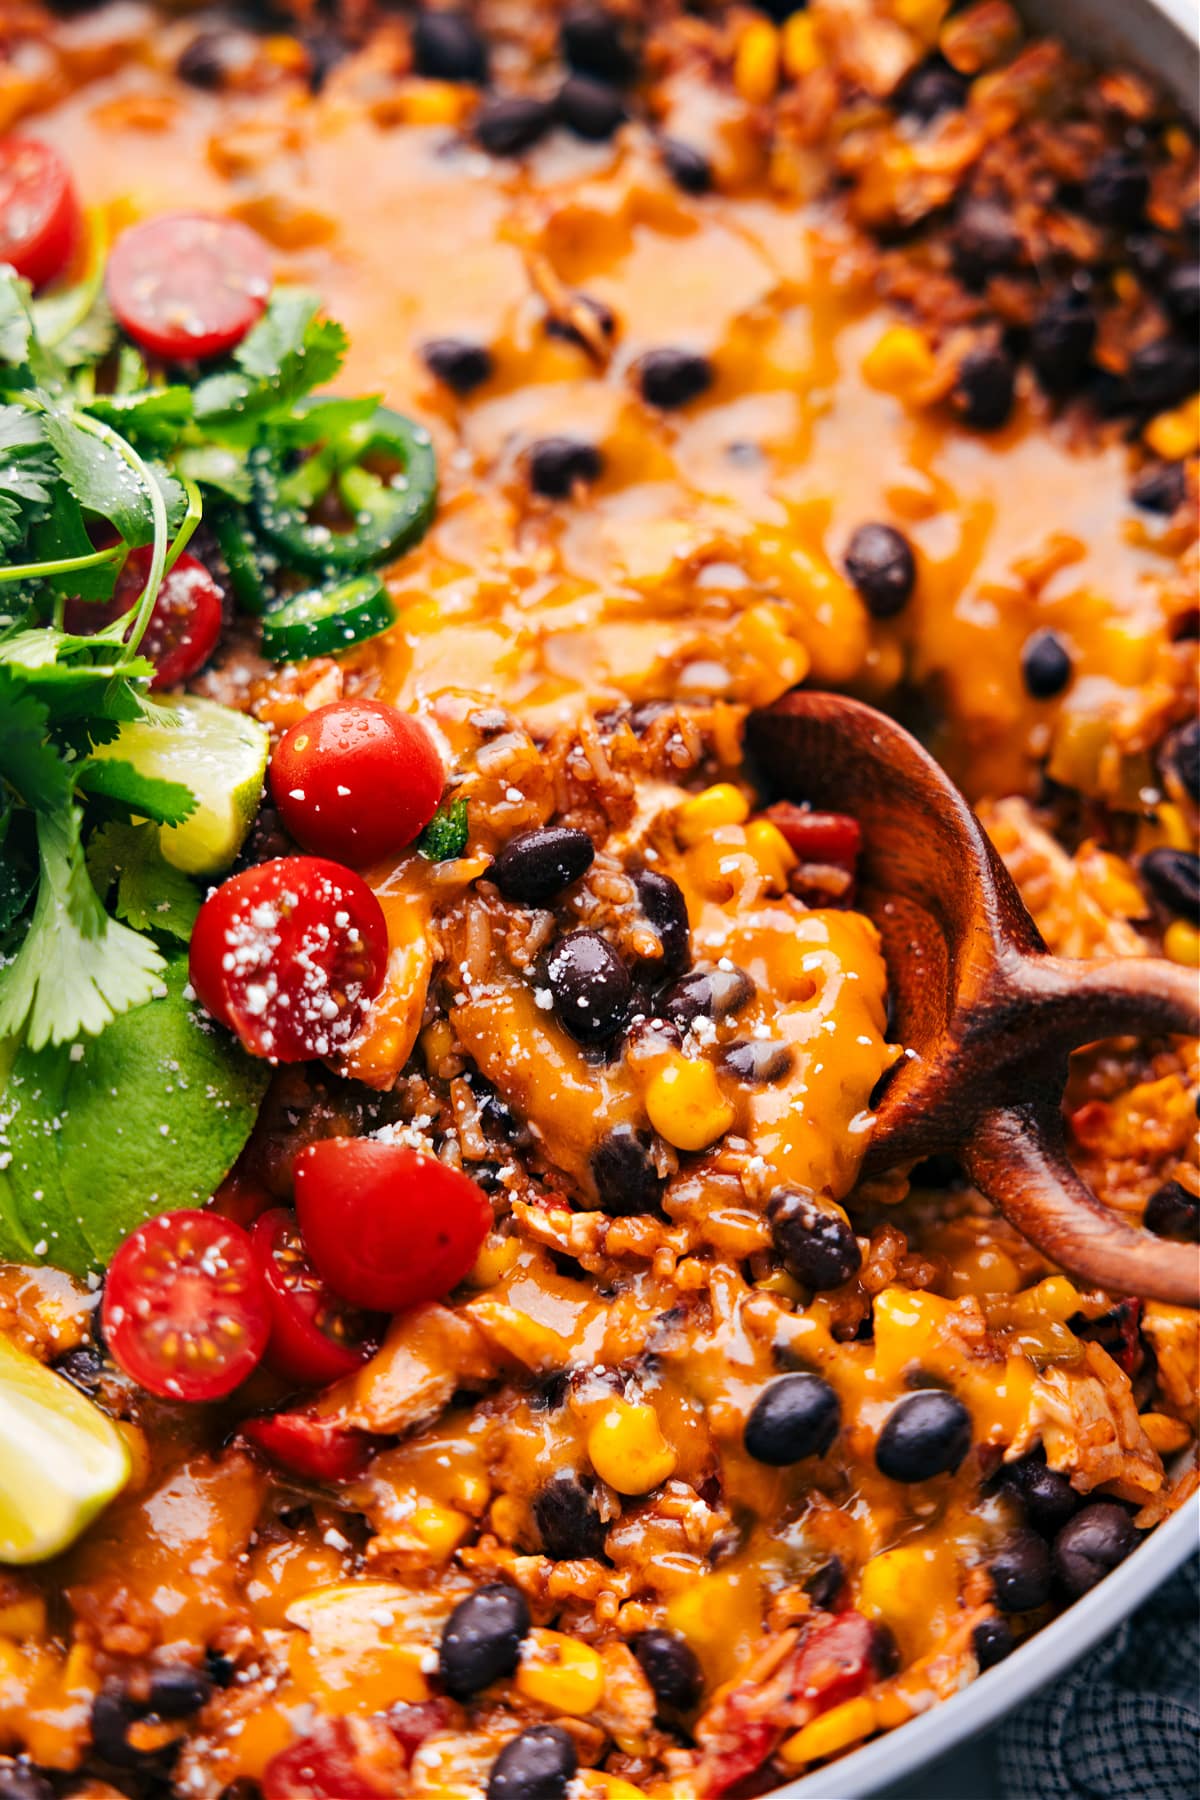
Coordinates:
(1124, 1724)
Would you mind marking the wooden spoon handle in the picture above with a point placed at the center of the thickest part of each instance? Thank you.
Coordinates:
(1083, 1001)
(1017, 1157)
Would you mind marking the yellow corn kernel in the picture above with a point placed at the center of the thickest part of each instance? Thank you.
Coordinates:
(1175, 434)
(24, 1617)
(756, 62)
(441, 1528)
(685, 1104)
(559, 1672)
(801, 50)
(627, 1448)
(772, 852)
(436, 103)
(1165, 829)
(908, 1330)
(495, 1259)
(285, 52)
(699, 817)
(1054, 1298)
(900, 362)
(1181, 942)
(922, 17)
(781, 1283)
(1166, 1434)
(831, 1731)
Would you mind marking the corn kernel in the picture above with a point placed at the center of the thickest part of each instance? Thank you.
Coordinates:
(628, 1450)
(781, 1283)
(900, 362)
(831, 1731)
(559, 1672)
(801, 51)
(772, 852)
(685, 1104)
(435, 103)
(1165, 829)
(1182, 943)
(1054, 1298)
(1175, 434)
(441, 1528)
(1166, 1435)
(699, 817)
(24, 1617)
(495, 1259)
(756, 62)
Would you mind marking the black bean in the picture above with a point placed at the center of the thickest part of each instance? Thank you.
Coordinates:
(1173, 877)
(665, 911)
(221, 1668)
(1021, 1572)
(82, 1367)
(671, 378)
(924, 1435)
(992, 1640)
(1183, 750)
(568, 1519)
(1047, 1497)
(688, 167)
(21, 1781)
(1095, 1541)
(795, 1416)
(671, 1667)
(1045, 665)
(591, 109)
(623, 1171)
(210, 58)
(592, 42)
(1116, 189)
(535, 866)
(177, 1691)
(113, 1712)
(1181, 291)
(757, 1060)
(984, 241)
(884, 1652)
(558, 465)
(1172, 1211)
(985, 387)
(604, 315)
(932, 88)
(449, 47)
(812, 1239)
(1160, 487)
(591, 987)
(713, 993)
(880, 563)
(1162, 373)
(538, 1765)
(825, 1584)
(461, 364)
(481, 1640)
(1061, 340)
(506, 124)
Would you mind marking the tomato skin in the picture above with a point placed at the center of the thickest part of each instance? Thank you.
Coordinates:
(818, 837)
(289, 955)
(184, 625)
(314, 1339)
(324, 1766)
(186, 286)
(41, 221)
(385, 1225)
(184, 1310)
(315, 1448)
(356, 780)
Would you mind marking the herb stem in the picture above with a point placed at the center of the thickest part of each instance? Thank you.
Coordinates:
(144, 605)
(65, 565)
(191, 518)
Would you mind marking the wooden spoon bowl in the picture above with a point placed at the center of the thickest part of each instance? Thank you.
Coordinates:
(987, 1016)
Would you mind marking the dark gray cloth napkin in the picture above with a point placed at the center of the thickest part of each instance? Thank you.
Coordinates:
(1124, 1724)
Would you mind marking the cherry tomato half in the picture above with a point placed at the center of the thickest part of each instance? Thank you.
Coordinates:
(184, 626)
(385, 1225)
(188, 285)
(40, 218)
(324, 1766)
(290, 955)
(315, 1337)
(818, 837)
(357, 780)
(185, 1310)
(313, 1447)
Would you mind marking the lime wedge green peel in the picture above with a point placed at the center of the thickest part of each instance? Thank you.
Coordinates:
(219, 754)
(61, 1460)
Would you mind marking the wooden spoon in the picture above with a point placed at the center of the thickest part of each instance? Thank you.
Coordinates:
(987, 1016)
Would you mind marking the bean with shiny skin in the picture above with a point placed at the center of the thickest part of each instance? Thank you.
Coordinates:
(481, 1640)
(1092, 1543)
(568, 1519)
(816, 1245)
(671, 1667)
(591, 987)
(665, 911)
(1173, 1211)
(535, 866)
(713, 993)
(992, 1640)
(1022, 1573)
(795, 1416)
(537, 1765)
(926, 1434)
(623, 1171)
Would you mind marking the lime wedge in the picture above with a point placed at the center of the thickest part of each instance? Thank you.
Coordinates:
(222, 756)
(61, 1460)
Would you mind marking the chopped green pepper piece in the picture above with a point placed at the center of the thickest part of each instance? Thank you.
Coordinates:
(243, 558)
(445, 836)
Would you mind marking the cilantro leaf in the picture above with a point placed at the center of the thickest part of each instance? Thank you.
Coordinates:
(445, 836)
(166, 802)
(153, 417)
(77, 968)
(216, 466)
(100, 479)
(289, 352)
(16, 326)
(27, 472)
(60, 536)
(152, 895)
(29, 762)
